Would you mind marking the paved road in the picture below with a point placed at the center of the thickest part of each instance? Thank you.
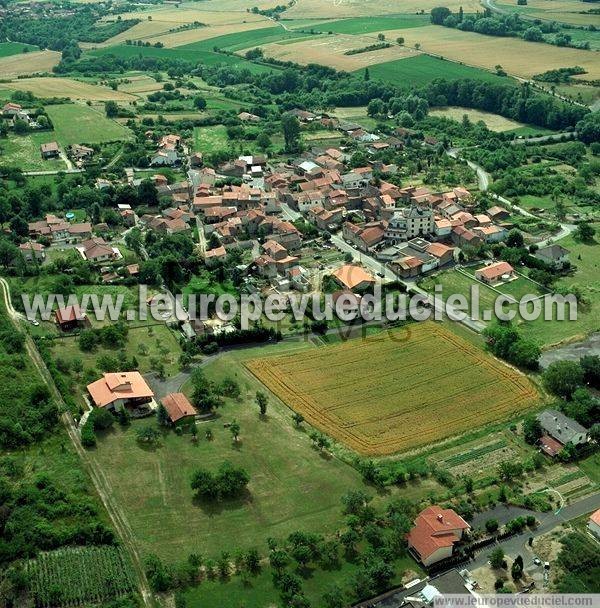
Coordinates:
(548, 521)
(289, 213)
(379, 269)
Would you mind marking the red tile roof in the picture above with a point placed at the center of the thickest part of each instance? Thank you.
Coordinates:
(178, 406)
(435, 528)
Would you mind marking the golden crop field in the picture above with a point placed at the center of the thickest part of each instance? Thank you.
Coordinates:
(66, 87)
(28, 63)
(312, 9)
(516, 56)
(389, 393)
(494, 122)
(330, 51)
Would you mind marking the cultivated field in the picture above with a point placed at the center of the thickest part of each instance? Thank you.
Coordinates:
(330, 51)
(494, 122)
(141, 84)
(208, 33)
(82, 575)
(421, 69)
(368, 25)
(517, 57)
(28, 63)
(314, 9)
(75, 124)
(564, 11)
(66, 87)
(383, 395)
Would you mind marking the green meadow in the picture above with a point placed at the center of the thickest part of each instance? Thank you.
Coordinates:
(422, 69)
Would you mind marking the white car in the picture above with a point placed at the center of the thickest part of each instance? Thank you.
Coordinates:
(33, 321)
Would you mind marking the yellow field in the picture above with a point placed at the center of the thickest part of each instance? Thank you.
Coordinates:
(565, 11)
(517, 57)
(494, 122)
(182, 15)
(141, 84)
(389, 393)
(330, 51)
(311, 9)
(66, 87)
(28, 63)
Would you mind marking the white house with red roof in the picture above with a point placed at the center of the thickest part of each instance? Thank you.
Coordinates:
(594, 523)
(435, 533)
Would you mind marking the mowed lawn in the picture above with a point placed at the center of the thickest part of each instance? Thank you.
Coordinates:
(388, 393)
(75, 124)
(421, 69)
(292, 487)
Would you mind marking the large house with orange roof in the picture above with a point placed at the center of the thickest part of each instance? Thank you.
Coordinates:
(120, 389)
(353, 278)
(435, 533)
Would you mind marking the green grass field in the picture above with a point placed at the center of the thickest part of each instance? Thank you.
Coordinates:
(586, 257)
(292, 487)
(23, 151)
(75, 124)
(206, 57)
(368, 25)
(422, 69)
(211, 139)
(15, 48)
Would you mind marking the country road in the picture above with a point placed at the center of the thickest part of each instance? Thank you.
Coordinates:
(99, 479)
(547, 522)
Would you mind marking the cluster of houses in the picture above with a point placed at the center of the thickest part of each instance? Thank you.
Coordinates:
(168, 151)
(14, 112)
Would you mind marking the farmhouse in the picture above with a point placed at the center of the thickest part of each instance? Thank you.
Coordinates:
(558, 431)
(497, 214)
(69, 317)
(11, 109)
(33, 251)
(554, 255)
(179, 408)
(49, 150)
(594, 523)
(353, 278)
(96, 250)
(435, 533)
(500, 271)
(121, 389)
